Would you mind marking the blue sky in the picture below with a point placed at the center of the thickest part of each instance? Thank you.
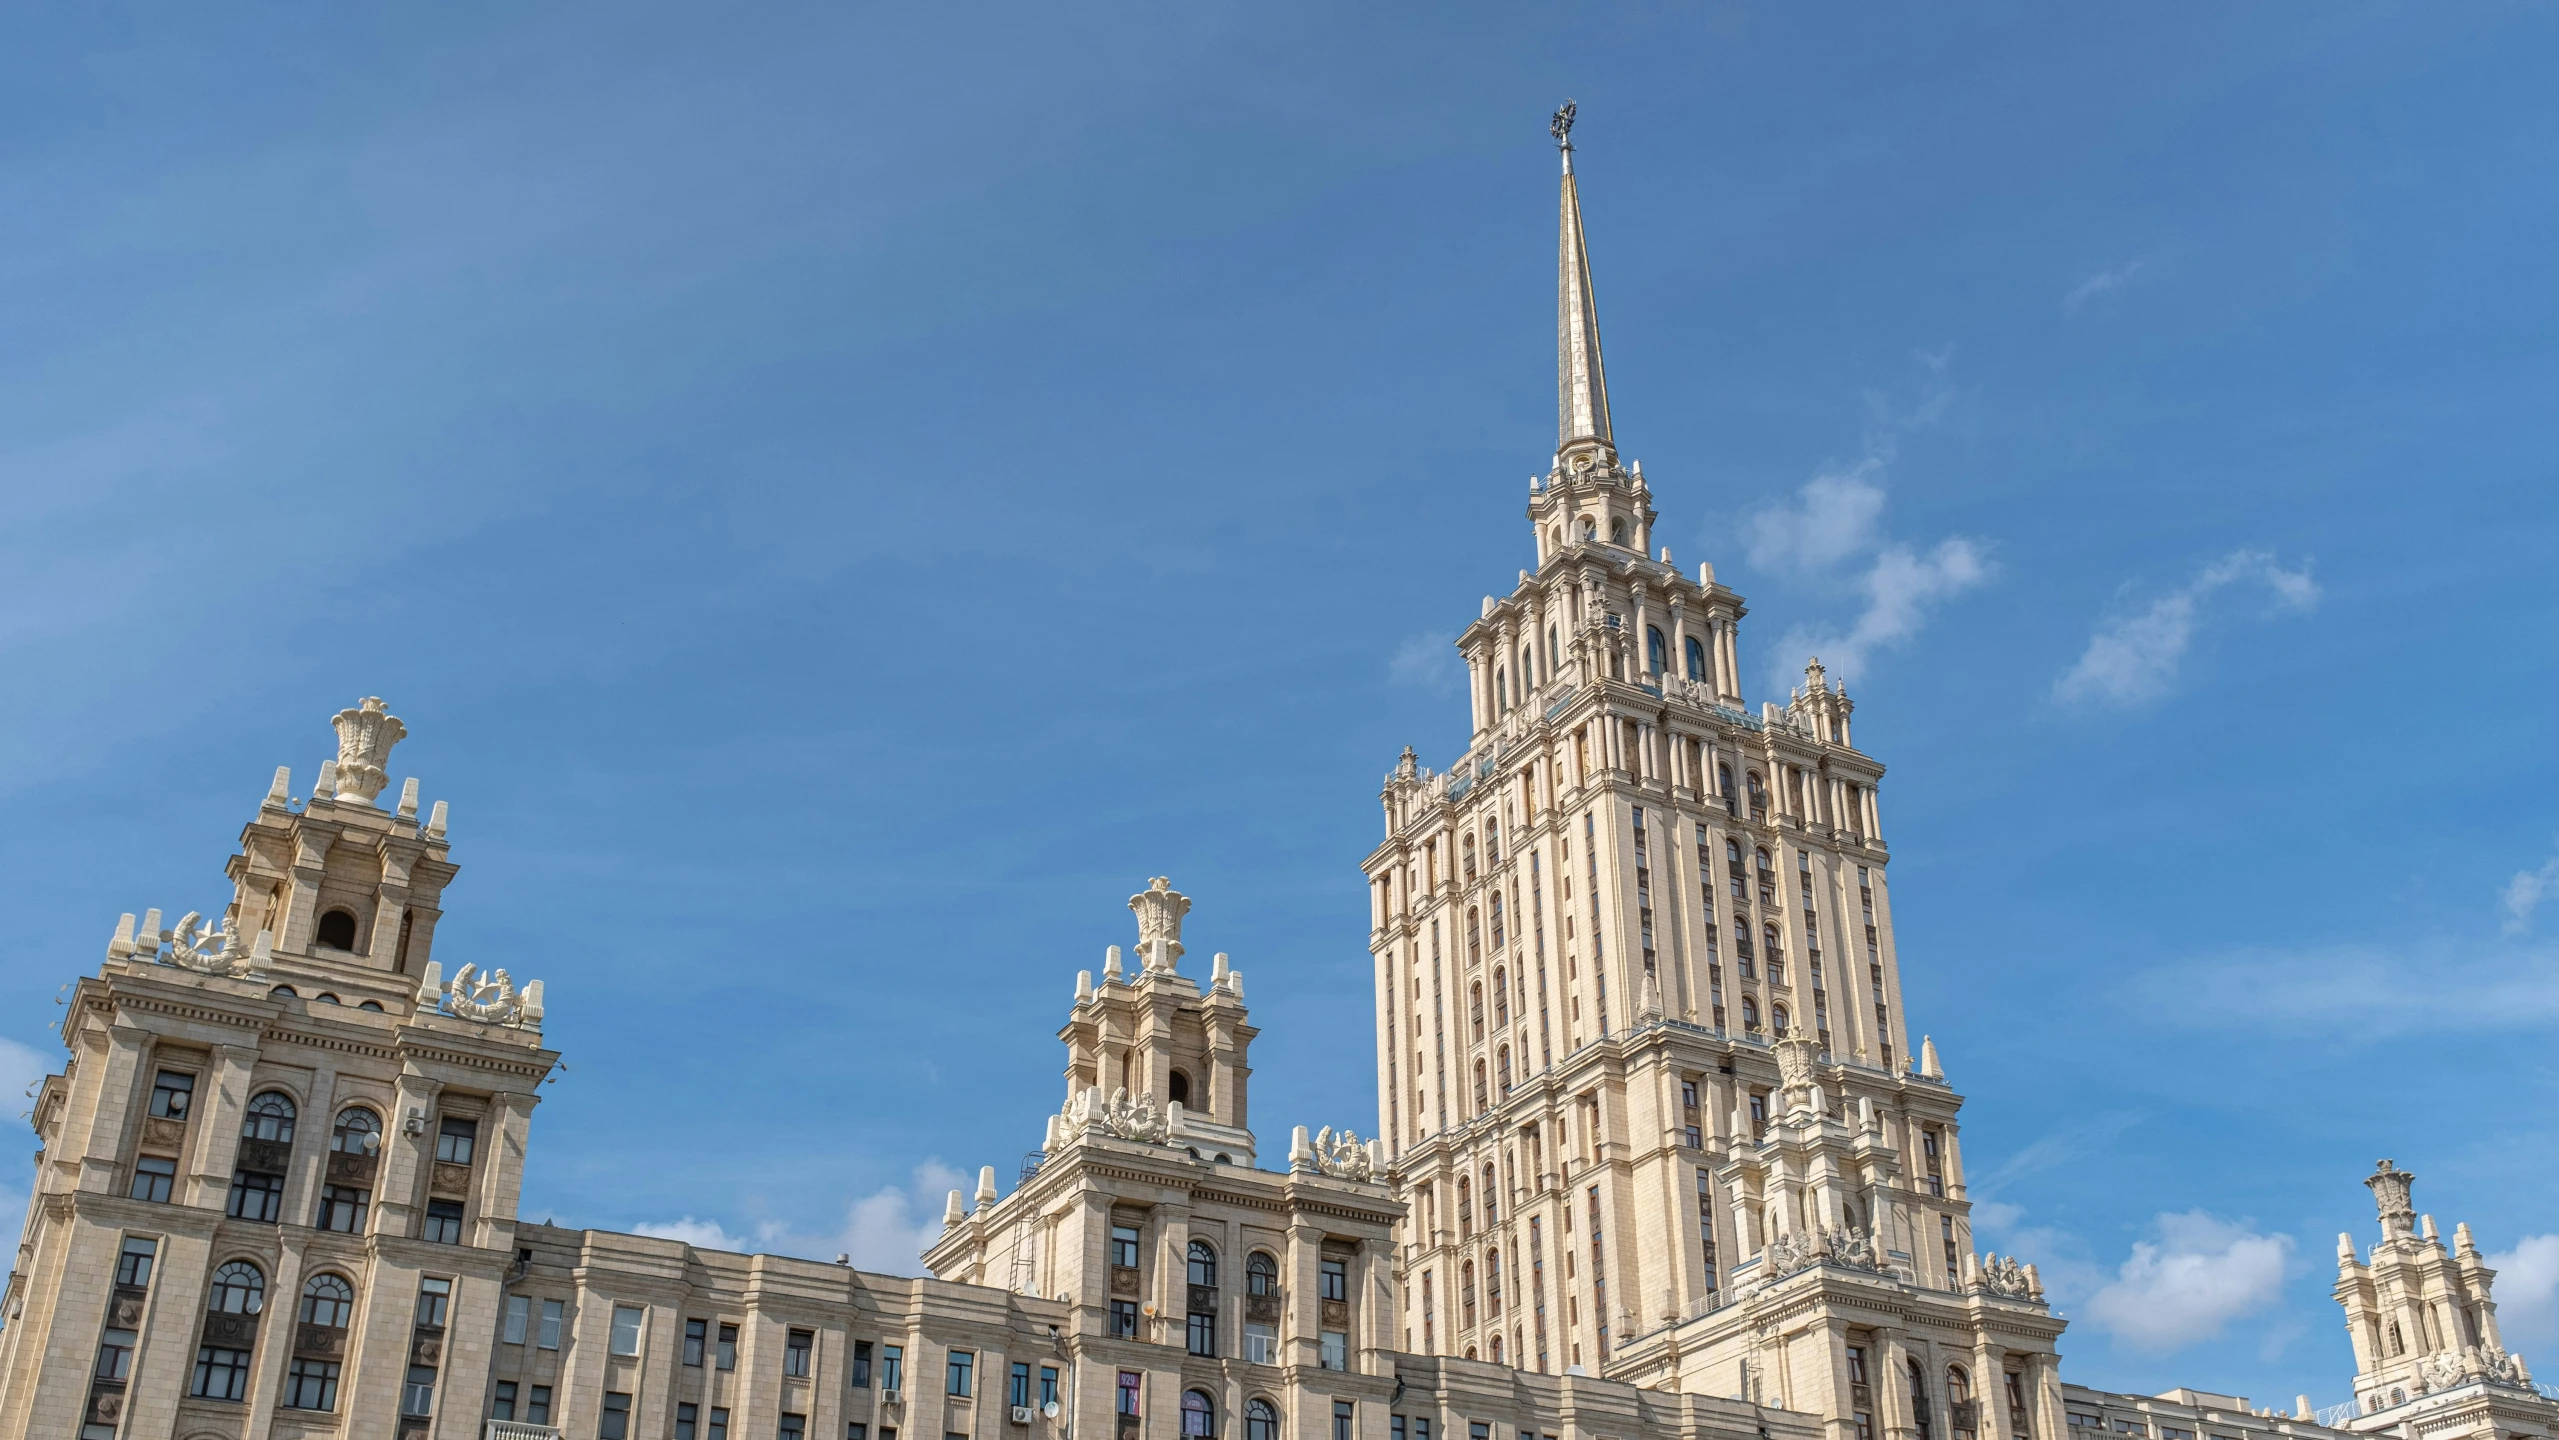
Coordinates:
(840, 495)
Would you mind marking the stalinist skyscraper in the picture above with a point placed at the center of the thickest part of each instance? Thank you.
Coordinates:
(1640, 1041)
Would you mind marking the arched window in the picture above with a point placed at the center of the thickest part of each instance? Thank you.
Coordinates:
(1656, 650)
(1465, 1206)
(239, 1288)
(1203, 1264)
(1466, 1293)
(1767, 879)
(327, 1301)
(1617, 531)
(1497, 1349)
(1179, 1087)
(1490, 1190)
(1502, 688)
(1724, 786)
(1527, 671)
(1506, 1071)
(337, 930)
(1497, 922)
(358, 1132)
(1590, 529)
(1696, 658)
(1750, 1013)
(2397, 1345)
(1758, 795)
(1467, 849)
(1475, 1007)
(270, 1117)
(1261, 1274)
(1768, 938)
(283, 992)
(1483, 1100)
(1551, 650)
(1474, 917)
(1261, 1421)
(1199, 1417)
(1501, 993)
(325, 998)
(1493, 1284)
(1777, 1019)
(1959, 1401)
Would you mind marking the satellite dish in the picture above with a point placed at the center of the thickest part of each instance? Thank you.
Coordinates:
(1049, 1410)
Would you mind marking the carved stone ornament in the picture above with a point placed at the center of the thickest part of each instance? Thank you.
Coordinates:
(2393, 1193)
(1160, 909)
(1342, 1156)
(366, 734)
(197, 944)
(1851, 1249)
(1138, 1118)
(2002, 1275)
(2445, 1369)
(491, 998)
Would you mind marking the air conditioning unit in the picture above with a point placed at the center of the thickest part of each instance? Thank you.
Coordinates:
(1022, 1414)
(889, 1396)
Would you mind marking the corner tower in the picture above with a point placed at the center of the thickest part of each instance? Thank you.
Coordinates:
(1643, 1074)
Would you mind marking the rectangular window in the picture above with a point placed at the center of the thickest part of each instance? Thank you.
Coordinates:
(502, 1401)
(519, 1317)
(153, 1178)
(221, 1374)
(455, 1139)
(796, 1349)
(959, 1373)
(1343, 1429)
(1124, 1319)
(1203, 1334)
(311, 1385)
(443, 1222)
(861, 1365)
(1124, 1246)
(1336, 1350)
(718, 1429)
(688, 1421)
(892, 1368)
(1261, 1344)
(1332, 1280)
(256, 1197)
(554, 1312)
(342, 1208)
(697, 1339)
(417, 1392)
(172, 1091)
(614, 1422)
(1132, 1385)
(627, 1323)
(856, 1430)
(1048, 1386)
(537, 1405)
(724, 1353)
(115, 1355)
(1017, 1388)
(794, 1427)
(435, 1296)
(133, 1264)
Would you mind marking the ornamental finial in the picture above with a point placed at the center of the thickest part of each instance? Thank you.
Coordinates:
(1561, 127)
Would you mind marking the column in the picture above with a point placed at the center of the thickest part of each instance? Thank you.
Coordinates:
(1840, 1412)
(217, 1143)
(1990, 1390)
(118, 1085)
(2043, 1378)
(1890, 1380)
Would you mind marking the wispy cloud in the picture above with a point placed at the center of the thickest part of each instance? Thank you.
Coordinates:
(2528, 1293)
(2053, 1151)
(2133, 658)
(2359, 994)
(1835, 521)
(2526, 891)
(885, 1231)
(1427, 662)
(2190, 1283)
(2104, 282)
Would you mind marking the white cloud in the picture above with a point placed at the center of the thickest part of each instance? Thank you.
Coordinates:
(1427, 661)
(2133, 658)
(2526, 891)
(2357, 994)
(1836, 520)
(2104, 282)
(2528, 1294)
(885, 1231)
(2200, 1274)
(1833, 518)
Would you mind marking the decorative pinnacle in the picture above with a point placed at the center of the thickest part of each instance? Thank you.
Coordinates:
(1561, 127)
(366, 734)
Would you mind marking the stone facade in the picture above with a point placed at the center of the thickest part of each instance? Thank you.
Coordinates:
(1656, 1159)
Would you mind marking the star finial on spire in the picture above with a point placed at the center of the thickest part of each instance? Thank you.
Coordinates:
(1561, 127)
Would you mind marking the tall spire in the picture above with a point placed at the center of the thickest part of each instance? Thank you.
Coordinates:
(1581, 380)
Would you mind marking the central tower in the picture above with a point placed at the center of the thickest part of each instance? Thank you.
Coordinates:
(1643, 1074)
